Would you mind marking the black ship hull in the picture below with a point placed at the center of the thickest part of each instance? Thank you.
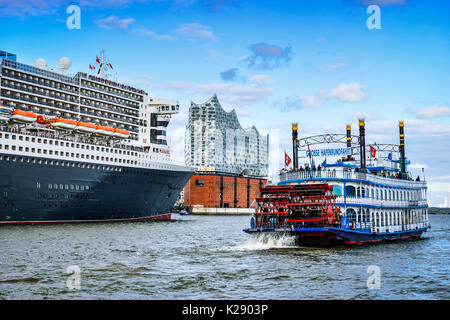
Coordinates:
(41, 191)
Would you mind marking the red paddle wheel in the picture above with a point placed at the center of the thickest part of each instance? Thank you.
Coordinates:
(298, 206)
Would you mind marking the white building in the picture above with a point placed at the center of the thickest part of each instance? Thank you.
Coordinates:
(214, 138)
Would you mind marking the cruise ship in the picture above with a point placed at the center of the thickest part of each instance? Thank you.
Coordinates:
(82, 148)
(350, 201)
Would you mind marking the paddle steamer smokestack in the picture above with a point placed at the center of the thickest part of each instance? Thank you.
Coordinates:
(401, 127)
(295, 145)
(349, 139)
(362, 144)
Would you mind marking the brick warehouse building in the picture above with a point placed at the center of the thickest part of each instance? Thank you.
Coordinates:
(222, 190)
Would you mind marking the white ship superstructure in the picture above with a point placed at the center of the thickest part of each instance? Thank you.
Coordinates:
(86, 121)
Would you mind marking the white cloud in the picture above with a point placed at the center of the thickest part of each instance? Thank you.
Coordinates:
(261, 79)
(313, 101)
(348, 92)
(344, 92)
(230, 93)
(114, 22)
(195, 31)
(418, 166)
(363, 115)
(335, 66)
(151, 34)
(433, 112)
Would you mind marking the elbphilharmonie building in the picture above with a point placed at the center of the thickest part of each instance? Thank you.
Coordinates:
(215, 139)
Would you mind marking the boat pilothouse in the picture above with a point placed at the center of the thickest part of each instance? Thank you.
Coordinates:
(82, 148)
(372, 199)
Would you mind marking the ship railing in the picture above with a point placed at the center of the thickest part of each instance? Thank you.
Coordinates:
(348, 175)
(96, 96)
(73, 110)
(356, 200)
(30, 69)
(11, 86)
(70, 99)
(42, 83)
(86, 140)
(111, 92)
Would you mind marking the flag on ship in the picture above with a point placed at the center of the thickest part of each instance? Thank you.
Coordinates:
(287, 159)
(373, 152)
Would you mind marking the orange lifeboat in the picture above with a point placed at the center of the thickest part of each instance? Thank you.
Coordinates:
(104, 130)
(61, 123)
(43, 120)
(85, 127)
(23, 116)
(121, 133)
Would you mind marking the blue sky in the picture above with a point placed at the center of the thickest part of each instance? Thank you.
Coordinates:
(275, 62)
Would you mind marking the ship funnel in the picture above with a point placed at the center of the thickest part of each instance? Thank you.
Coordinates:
(295, 145)
(349, 139)
(362, 144)
(401, 127)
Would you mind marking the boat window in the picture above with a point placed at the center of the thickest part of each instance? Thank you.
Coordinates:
(351, 215)
(337, 190)
(350, 191)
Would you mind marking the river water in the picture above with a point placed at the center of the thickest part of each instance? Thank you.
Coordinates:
(209, 257)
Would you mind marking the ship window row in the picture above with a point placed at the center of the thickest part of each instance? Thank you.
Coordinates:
(67, 154)
(379, 193)
(64, 86)
(70, 145)
(61, 196)
(109, 90)
(71, 187)
(40, 81)
(79, 164)
(380, 218)
(71, 106)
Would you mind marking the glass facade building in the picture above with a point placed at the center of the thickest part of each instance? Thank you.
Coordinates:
(214, 138)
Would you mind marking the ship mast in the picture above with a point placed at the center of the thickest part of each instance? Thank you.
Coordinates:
(103, 66)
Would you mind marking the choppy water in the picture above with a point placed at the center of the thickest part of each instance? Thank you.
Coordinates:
(195, 257)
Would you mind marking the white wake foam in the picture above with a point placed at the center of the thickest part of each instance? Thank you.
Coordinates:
(263, 242)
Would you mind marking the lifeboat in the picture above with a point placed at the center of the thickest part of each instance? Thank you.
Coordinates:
(43, 120)
(61, 123)
(85, 127)
(5, 113)
(121, 133)
(23, 116)
(104, 131)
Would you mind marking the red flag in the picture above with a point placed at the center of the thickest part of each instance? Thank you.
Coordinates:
(90, 67)
(109, 64)
(97, 59)
(373, 152)
(287, 160)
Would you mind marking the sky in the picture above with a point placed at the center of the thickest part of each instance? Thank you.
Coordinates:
(322, 64)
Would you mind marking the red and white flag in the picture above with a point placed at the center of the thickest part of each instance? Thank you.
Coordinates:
(373, 152)
(287, 159)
